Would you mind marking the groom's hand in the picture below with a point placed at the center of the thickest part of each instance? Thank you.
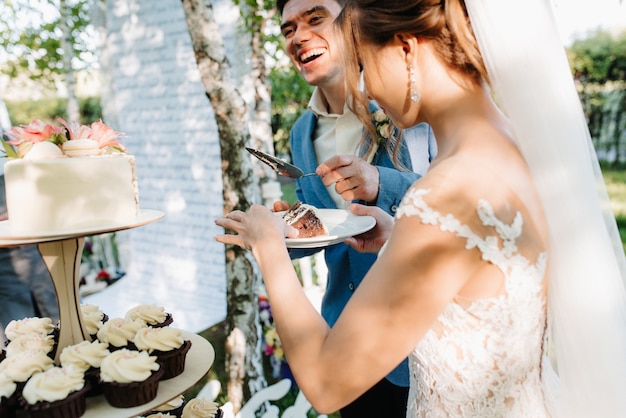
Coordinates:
(372, 240)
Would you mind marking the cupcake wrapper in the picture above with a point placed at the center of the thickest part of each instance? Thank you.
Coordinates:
(6, 410)
(169, 319)
(73, 406)
(15, 398)
(129, 346)
(173, 362)
(128, 395)
(93, 377)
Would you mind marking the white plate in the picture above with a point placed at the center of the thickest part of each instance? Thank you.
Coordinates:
(341, 224)
(8, 237)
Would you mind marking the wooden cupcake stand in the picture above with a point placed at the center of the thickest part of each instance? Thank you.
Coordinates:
(62, 252)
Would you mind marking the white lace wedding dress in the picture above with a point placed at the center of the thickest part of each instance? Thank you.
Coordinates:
(482, 357)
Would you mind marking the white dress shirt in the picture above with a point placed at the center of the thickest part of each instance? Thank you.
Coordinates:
(335, 134)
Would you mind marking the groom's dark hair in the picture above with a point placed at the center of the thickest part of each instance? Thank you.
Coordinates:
(280, 4)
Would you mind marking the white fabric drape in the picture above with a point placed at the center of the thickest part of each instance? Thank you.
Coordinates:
(533, 84)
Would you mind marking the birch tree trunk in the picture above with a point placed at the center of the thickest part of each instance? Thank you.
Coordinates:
(72, 109)
(241, 189)
(260, 125)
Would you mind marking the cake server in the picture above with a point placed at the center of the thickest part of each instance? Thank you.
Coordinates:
(281, 167)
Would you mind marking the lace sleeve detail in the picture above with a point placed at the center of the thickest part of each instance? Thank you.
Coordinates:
(500, 249)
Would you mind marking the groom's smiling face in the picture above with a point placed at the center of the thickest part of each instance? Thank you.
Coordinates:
(307, 26)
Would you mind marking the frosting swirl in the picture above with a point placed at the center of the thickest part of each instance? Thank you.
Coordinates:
(160, 339)
(150, 314)
(53, 384)
(25, 326)
(125, 366)
(21, 366)
(200, 408)
(84, 355)
(7, 385)
(92, 317)
(38, 342)
(118, 332)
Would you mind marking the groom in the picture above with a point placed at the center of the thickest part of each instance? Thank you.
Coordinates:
(327, 134)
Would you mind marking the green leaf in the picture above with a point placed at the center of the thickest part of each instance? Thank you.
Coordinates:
(9, 151)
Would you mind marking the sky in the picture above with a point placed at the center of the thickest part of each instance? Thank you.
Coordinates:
(577, 17)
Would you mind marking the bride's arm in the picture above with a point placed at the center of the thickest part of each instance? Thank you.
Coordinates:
(418, 274)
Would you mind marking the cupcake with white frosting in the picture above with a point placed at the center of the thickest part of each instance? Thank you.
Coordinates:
(152, 315)
(21, 366)
(168, 345)
(93, 318)
(202, 408)
(38, 342)
(8, 396)
(173, 408)
(30, 326)
(119, 333)
(58, 392)
(86, 356)
(17, 369)
(129, 378)
(25, 326)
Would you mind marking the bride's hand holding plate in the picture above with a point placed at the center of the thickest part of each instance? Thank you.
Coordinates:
(258, 225)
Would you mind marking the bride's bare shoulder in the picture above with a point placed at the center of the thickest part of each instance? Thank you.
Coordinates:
(458, 183)
(458, 173)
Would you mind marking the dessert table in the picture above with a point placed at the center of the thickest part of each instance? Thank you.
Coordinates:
(62, 252)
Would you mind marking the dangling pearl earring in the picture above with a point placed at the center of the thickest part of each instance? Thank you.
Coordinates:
(414, 93)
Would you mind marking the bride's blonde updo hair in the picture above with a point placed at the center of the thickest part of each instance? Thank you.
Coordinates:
(366, 23)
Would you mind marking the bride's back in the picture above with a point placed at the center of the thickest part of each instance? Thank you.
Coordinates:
(482, 355)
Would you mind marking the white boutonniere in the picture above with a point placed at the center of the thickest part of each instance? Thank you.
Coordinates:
(384, 132)
(384, 129)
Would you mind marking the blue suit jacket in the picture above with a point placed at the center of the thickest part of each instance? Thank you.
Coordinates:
(347, 267)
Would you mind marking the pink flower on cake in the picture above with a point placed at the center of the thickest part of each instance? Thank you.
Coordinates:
(23, 138)
(103, 134)
(37, 131)
(75, 130)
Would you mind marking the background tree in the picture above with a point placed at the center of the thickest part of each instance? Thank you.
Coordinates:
(47, 41)
(241, 190)
(290, 96)
(598, 64)
(599, 58)
(255, 16)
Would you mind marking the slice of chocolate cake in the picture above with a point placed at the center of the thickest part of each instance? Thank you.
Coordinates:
(305, 218)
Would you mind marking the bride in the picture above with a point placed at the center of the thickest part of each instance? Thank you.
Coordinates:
(499, 276)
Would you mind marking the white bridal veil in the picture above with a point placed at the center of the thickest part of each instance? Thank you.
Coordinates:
(532, 82)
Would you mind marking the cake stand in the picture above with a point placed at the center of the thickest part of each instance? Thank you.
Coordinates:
(61, 252)
(197, 364)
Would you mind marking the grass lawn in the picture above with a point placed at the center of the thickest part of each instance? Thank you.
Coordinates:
(616, 185)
